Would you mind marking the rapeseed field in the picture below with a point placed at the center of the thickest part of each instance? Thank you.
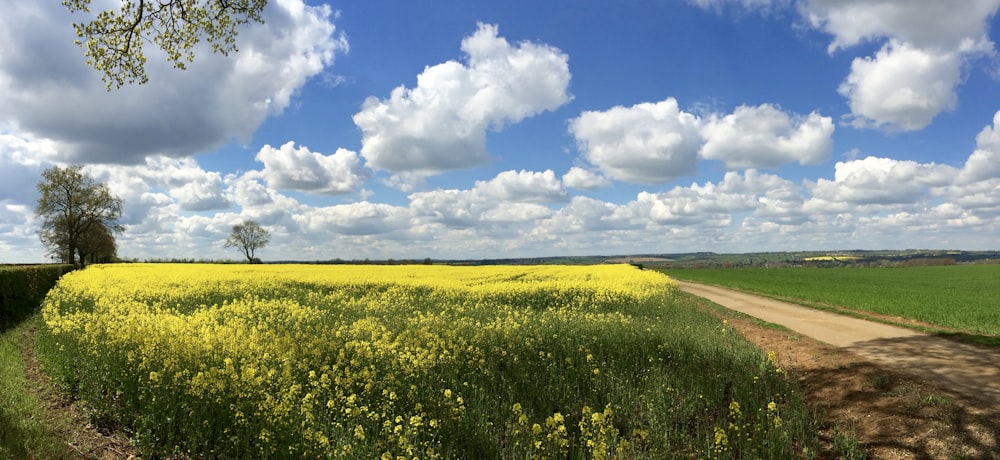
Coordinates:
(404, 362)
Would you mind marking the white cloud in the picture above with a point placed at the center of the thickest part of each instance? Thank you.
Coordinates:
(290, 168)
(915, 75)
(585, 215)
(201, 195)
(924, 23)
(362, 218)
(711, 205)
(763, 6)
(984, 163)
(441, 124)
(647, 143)
(766, 137)
(20, 241)
(20, 167)
(517, 212)
(187, 185)
(902, 87)
(657, 142)
(880, 181)
(583, 179)
(50, 93)
(523, 186)
(505, 198)
(453, 208)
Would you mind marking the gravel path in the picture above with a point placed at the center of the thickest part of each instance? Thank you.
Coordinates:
(973, 371)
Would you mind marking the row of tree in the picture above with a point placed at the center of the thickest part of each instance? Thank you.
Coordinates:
(80, 218)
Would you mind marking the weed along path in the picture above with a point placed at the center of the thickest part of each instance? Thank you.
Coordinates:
(971, 371)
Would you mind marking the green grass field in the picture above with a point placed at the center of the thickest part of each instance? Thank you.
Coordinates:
(965, 297)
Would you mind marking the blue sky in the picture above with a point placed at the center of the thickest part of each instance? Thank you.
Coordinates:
(388, 129)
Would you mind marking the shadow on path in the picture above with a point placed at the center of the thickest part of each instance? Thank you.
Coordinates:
(971, 370)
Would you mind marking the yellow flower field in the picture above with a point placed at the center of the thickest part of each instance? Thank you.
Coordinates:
(293, 361)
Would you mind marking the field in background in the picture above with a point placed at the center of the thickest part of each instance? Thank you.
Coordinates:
(415, 361)
(965, 297)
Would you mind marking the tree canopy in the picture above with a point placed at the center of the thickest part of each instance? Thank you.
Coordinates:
(248, 237)
(114, 38)
(79, 215)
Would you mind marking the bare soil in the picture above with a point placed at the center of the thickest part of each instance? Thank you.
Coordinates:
(894, 393)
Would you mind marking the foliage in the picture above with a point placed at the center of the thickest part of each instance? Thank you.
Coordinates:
(114, 38)
(78, 214)
(957, 296)
(22, 289)
(238, 361)
(99, 245)
(248, 237)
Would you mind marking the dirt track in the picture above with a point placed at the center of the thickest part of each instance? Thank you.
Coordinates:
(969, 370)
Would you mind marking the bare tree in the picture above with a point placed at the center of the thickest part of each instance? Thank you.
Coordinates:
(248, 237)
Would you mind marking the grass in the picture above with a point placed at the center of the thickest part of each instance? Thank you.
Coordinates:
(961, 297)
(845, 445)
(27, 429)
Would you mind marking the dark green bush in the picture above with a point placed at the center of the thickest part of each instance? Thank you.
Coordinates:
(22, 289)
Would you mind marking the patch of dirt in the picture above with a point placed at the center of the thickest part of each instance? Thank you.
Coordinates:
(83, 440)
(888, 413)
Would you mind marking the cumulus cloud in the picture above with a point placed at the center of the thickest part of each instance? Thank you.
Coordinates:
(522, 186)
(182, 181)
(505, 198)
(984, 163)
(17, 224)
(517, 212)
(290, 168)
(881, 181)
(902, 87)
(362, 218)
(766, 137)
(647, 143)
(585, 215)
(583, 179)
(657, 142)
(915, 75)
(441, 124)
(20, 166)
(923, 23)
(50, 93)
(453, 208)
(711, 204)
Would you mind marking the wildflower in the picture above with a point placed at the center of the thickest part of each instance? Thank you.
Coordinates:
(734, 409)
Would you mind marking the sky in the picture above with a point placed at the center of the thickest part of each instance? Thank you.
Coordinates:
(378, 129)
